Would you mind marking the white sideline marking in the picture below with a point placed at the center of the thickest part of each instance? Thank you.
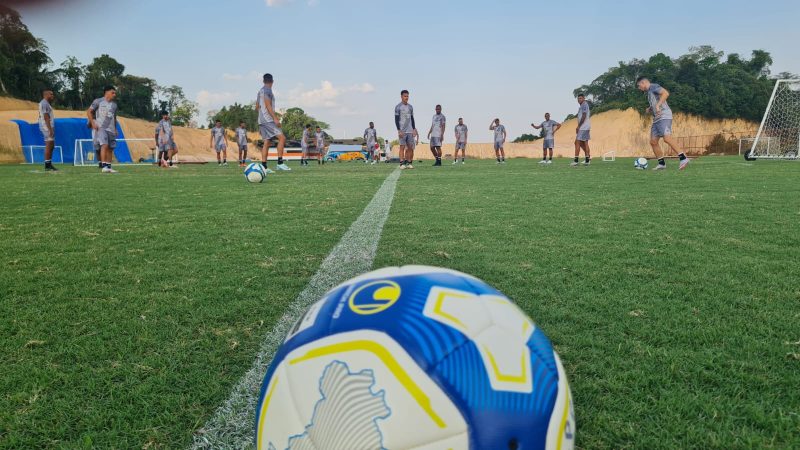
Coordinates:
(233, 423)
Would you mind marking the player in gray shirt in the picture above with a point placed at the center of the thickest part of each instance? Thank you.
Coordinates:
(406, 130)
(319, 141)
(550, 127)
(165, 141)
(102, 115)
(47, 125)
(371, 141)
(219, 143)
(436, 134)
(662, 122)
(269, 124)
(582, 131)
(461, 132)
(304, 143)
(241, 142)
(499, 140)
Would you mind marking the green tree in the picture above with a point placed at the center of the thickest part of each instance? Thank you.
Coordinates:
(183, 114)
(69, 83)
(526, 138)
(102, 71)
(135, 96)
(23, 58)
(294, 120)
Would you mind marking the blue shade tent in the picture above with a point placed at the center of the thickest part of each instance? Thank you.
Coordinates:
(67, 132)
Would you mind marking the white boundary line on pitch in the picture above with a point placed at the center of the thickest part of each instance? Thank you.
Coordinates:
(233, 423)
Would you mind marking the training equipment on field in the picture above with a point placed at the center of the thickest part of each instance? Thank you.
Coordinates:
(610, 156)
(640, 163)
(255, 173)
(85, 154)
(779, 134)
(415, 357)
(34, 154)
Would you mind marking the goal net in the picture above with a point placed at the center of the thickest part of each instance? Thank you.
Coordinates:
(142, 151)
(35, 154)
(779, 134)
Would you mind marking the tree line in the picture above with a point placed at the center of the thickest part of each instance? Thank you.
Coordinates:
(26, 70)
(293, 120)
(703, 82)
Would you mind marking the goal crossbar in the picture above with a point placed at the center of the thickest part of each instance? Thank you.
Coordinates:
(84, 152)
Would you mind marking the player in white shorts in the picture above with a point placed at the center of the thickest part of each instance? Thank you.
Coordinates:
(582, 131)
(47, 125)
(406, 130)
(662, 122)
(219, 143)
(269, 124)
(462, 133)
(550, 127)
(499, 140)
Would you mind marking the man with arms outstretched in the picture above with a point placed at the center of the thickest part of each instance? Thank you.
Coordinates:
(47, 125)
(662, 122)
(102, 115)
(582, 131)
(436, 134)
(406, 130)
(550, 127)
(269, 124)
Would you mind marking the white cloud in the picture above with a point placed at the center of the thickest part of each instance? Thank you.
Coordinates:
(274, 3)
(207, 99)
(326, 96)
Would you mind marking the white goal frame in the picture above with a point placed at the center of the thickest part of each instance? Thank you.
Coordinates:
(774, 148)
(78, 153)
(610, 156)
(56, 148)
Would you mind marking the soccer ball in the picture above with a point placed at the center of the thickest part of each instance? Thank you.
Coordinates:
(255, 173)
(640, 163)
(415, 357)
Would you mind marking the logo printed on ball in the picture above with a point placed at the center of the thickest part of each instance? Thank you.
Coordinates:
(374, 297)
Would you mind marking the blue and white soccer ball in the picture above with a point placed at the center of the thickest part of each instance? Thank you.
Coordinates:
(640, 163)
(255, 173)
(415, 358)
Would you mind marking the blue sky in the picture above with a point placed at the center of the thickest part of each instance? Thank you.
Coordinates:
(345, 61)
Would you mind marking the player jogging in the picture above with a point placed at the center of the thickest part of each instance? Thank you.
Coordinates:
(406, 130)
(371, 139)
(582, 131)
(550, 127)
(499, 140)
(165, 141)
(47, 125)
(319, 138)
(304, 145)
(102, 115)
(269, 124)
(461, 132)
(662, 122)
(219, 143)
(241, 142)
(436, 134)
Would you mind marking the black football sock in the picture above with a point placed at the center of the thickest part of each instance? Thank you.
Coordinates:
(681, 156)
(661, 162)
(587, 159)
(576, 159)
(280, 161)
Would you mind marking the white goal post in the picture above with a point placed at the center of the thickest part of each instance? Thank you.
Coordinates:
(84, 153)
(779, 133)
(57, 151)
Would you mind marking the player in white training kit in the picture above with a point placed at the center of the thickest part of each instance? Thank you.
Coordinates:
(165, 141)
(304, 143)
(47, 125)
(436, 134)
(582, 131)
(319, 140)
(102, 115)
(269, 124)
(241, 142)
(219, 143)
(461, 132)
(371, 140)
(662, 122)
(499, 140)
(550, 127)
(406, 130)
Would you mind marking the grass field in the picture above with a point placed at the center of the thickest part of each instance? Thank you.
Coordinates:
(132, 303)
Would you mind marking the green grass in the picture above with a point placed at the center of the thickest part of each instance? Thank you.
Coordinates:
(132, 303)
(672, 298)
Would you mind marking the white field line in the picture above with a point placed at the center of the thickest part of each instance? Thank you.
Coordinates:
(233, 424)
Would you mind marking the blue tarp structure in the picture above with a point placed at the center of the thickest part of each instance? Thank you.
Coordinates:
(67, 132)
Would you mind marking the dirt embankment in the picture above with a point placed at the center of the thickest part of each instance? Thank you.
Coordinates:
(624, 132)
